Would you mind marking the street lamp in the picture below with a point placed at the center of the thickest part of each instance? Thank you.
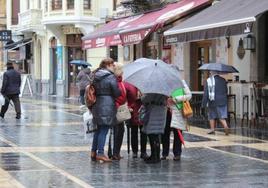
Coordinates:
(249, 42)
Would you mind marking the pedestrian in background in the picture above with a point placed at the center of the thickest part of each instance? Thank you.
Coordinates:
(215, 98)
(11, 90)
(104, 110)
(83, 79)
(119, 129)
(134, 104)
(154, 122)
(178, 121)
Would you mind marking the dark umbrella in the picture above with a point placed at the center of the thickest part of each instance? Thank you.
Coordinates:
(152, 76)
(218, 67)
(80, 63)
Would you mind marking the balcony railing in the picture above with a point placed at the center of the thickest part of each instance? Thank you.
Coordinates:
(30, 17)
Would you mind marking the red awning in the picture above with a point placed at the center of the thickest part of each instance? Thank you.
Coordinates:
(108, 34)
(140, 28)
(134, 29)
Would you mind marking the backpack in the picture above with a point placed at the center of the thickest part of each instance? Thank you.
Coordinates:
(90, 96)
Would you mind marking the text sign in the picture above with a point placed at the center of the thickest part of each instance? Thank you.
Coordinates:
(5, 35)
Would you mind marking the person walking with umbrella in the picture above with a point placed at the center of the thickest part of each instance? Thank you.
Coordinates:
(215, 98)
(83, 79)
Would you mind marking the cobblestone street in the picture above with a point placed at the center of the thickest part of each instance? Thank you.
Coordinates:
(47, 148)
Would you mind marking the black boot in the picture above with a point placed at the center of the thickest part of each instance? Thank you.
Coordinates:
(152, 148)
(155, 150)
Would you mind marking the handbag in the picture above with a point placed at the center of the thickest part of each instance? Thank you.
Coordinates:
(89, 126)
(2, 100)
(187, 110)
(123, 113)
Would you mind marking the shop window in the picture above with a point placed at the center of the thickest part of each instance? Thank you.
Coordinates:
(87, 4)
(56, 4)
(114, 53)
(70, 4)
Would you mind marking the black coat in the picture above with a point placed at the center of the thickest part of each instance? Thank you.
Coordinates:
(104, 110)
(220, 93)
(11, 82)
(156, 112)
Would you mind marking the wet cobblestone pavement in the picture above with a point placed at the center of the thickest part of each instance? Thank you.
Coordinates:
(47, 148)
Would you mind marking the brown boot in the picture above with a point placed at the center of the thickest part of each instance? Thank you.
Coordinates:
(226, 131)
(103, 158)
(93, 156)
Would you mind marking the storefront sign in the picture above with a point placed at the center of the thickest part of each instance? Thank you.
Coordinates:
(134, 37)
(112, 40)
(5, 35)
(70, 30)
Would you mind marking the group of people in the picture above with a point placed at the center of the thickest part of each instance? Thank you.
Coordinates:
(162, 114)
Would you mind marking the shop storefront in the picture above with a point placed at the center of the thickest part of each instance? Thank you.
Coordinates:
(141, 35)
(238, 38)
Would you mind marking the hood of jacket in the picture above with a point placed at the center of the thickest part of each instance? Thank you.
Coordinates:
(102, 73)
(87, 70)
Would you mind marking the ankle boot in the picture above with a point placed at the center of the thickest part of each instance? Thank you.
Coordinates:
(155, 150)
(93, 156)
(151, 146)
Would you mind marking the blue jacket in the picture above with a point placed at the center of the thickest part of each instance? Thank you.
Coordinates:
(11, 82)
(220, 93)
(104, 110)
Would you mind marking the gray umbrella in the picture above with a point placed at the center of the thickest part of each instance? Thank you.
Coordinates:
(219, 67)
(152, 76)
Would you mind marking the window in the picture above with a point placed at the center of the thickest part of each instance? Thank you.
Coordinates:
(39, 4)
(70, 4)
(46, 6)
(56, 4)
(15, 11)
(28, 4)
(114, 4)
(114, 53)
(87, 4)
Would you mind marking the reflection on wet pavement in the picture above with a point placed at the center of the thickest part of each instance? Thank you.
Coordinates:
(18, 161)
(195, 138)
(47, 148)
(242, 150)
(43, 179)
(247, 141)
(2, 144)
(199, 168)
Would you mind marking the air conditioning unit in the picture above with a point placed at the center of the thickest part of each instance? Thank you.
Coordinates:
(104, 12)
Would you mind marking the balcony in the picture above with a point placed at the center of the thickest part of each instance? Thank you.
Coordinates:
(30, 21)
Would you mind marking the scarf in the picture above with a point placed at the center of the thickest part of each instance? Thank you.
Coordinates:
(211, 88)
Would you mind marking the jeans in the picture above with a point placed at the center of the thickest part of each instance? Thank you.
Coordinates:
(166, 139)
(134, 139)
(16, 101)
(99, 139)
(82, 96)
